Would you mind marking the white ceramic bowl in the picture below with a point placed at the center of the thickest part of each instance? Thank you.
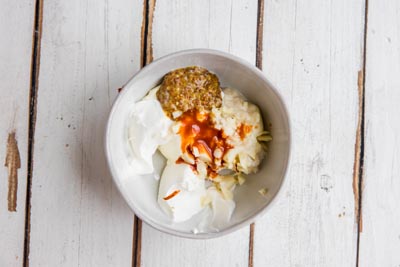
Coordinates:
(140, 192)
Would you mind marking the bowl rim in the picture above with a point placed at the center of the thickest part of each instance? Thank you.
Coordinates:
(258, 213)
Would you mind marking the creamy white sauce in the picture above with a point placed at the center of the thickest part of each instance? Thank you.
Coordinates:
(182, 191)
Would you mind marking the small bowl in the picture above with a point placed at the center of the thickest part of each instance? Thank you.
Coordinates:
(140, 191)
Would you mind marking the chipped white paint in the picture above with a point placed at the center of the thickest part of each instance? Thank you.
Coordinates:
(225, 25)
(312, 53)
(380, 237)
(15, 65)
(89, 49)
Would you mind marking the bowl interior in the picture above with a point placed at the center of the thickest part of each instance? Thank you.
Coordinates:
(140, 191)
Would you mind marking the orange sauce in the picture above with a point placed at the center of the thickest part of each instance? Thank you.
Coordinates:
(172, 195)
(243, 130)
(197, 131)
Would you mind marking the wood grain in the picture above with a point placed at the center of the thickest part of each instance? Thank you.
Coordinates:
(15, 69)
(260, 32)
(359, 153)
(225, 25)
(313, 52)
(146, 33)
(148, 55)
(34, 80)
(251, 244)
(259, 60)
(137, 242)
(89, 49)
(13, 163)
(380, 236)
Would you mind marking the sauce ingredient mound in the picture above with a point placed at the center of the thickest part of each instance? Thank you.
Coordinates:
(187, 89)
(211, 138)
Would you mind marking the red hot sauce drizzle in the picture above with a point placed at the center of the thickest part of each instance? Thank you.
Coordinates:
(173, 194)
(197, 131)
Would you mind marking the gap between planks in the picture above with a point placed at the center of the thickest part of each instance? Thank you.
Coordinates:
(358, 176)
(259, 60)
(34, 81)
(146, 50)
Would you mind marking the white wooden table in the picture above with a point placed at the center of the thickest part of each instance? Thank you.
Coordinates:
(337, 64)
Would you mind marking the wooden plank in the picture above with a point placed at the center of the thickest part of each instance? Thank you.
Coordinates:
(15, 69)
(380, 236)
(313, 53)
(225, 25)
(89, 49)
